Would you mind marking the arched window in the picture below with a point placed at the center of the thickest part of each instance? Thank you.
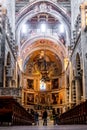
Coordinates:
(78, 65)
(9, 59)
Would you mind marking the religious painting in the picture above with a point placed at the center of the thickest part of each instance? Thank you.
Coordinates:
(55, 83)
(30, 83)
(54, 98)
(30, 98)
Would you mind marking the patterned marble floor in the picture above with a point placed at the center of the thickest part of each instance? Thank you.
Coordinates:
(57, 127)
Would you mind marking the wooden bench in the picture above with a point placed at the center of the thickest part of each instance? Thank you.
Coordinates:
(76, 115)
(11, 112)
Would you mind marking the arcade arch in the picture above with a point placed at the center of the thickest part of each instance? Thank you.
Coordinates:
(42, 56)
(79, 87)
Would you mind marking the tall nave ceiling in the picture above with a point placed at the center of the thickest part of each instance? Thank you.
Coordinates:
(43, 53)
(53, 40)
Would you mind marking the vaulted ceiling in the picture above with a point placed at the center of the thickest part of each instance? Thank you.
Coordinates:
(45, 46)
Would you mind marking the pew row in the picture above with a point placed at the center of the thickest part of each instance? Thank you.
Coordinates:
(12, 113)
(76, 115)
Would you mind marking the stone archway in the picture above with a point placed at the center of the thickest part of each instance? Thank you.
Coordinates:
(50, 43)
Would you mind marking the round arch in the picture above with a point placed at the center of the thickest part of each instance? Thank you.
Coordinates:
(29, 11)
(31, 45)
(55, 48)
